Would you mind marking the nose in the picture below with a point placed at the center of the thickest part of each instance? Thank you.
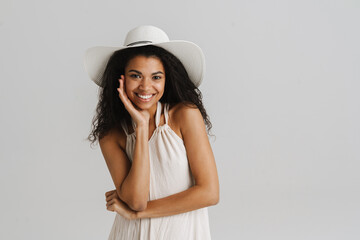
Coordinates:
(145, 83)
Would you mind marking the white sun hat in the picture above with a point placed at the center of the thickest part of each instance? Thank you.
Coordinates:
(190, 54)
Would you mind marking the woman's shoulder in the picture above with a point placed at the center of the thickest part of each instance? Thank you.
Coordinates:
(185, 118)
(183, 111)
(116, 135)
(182, 107)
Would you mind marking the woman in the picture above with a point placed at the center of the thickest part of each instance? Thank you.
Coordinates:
(151, 126)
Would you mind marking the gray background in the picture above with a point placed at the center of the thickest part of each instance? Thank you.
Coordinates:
(281, 87)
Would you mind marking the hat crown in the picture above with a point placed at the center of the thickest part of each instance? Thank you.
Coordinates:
(145, 35)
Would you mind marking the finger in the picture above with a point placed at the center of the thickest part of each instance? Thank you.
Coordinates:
(120, 88)
(112, 201)
(122, 94)
(124, 98)
(110, 208)
(122, 83)
(111, 196)
(121, 77)
(109, 193)
(123, 80)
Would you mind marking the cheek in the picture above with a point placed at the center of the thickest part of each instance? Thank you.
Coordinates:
(160, 87)
(128, 88)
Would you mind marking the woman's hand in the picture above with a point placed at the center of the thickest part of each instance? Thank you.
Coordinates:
(115, 204)
(140, 117)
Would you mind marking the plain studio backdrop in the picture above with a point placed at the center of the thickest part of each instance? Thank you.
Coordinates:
(281, 87)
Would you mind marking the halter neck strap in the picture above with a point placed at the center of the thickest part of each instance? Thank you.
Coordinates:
(166, 112)
(158, 114)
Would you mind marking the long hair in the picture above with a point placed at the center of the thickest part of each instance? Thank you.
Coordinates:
(110, 111)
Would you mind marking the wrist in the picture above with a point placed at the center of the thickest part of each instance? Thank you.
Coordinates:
(135, 215)
(142, 130)
(142, 125)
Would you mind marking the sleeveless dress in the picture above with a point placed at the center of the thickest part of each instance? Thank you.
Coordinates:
(169, 174)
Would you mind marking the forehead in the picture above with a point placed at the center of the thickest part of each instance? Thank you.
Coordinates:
(144, 62)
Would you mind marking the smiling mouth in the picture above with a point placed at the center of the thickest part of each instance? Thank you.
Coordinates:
(145, 97)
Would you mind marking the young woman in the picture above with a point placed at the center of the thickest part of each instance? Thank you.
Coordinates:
(152, 128)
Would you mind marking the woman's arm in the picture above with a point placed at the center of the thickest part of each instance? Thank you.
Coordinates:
(135, 188)
(131, 180)
(191, 199)
(205, 192)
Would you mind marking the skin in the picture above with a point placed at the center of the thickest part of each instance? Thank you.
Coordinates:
(130, 198)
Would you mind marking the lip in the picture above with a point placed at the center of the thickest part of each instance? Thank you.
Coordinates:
(145, 93)
(145, 100)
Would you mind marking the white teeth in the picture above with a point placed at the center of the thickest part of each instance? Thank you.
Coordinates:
(145, 96)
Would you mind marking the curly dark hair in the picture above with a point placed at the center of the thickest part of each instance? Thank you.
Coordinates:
(110, 111)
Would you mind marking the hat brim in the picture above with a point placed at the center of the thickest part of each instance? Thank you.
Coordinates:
(190, 55)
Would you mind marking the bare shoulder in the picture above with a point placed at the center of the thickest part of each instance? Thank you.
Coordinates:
(185, 116)
(181, 110)
(114, 137)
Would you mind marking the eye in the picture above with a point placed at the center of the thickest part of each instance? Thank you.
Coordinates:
(157, 77)
(135, 75)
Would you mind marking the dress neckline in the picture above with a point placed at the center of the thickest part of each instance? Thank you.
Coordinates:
(157, 120)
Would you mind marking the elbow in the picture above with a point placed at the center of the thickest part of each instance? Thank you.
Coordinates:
(209, 195)
(213, 196)
(214, 199)
(137, 205)
(134, 202)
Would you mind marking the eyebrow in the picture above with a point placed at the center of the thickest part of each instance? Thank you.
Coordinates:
(138, 72)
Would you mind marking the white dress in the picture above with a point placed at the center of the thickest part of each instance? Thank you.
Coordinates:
(169, 174)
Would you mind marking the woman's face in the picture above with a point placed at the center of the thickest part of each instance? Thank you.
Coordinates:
(145, 81)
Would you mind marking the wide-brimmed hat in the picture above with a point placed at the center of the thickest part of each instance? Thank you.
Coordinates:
(190, 55)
